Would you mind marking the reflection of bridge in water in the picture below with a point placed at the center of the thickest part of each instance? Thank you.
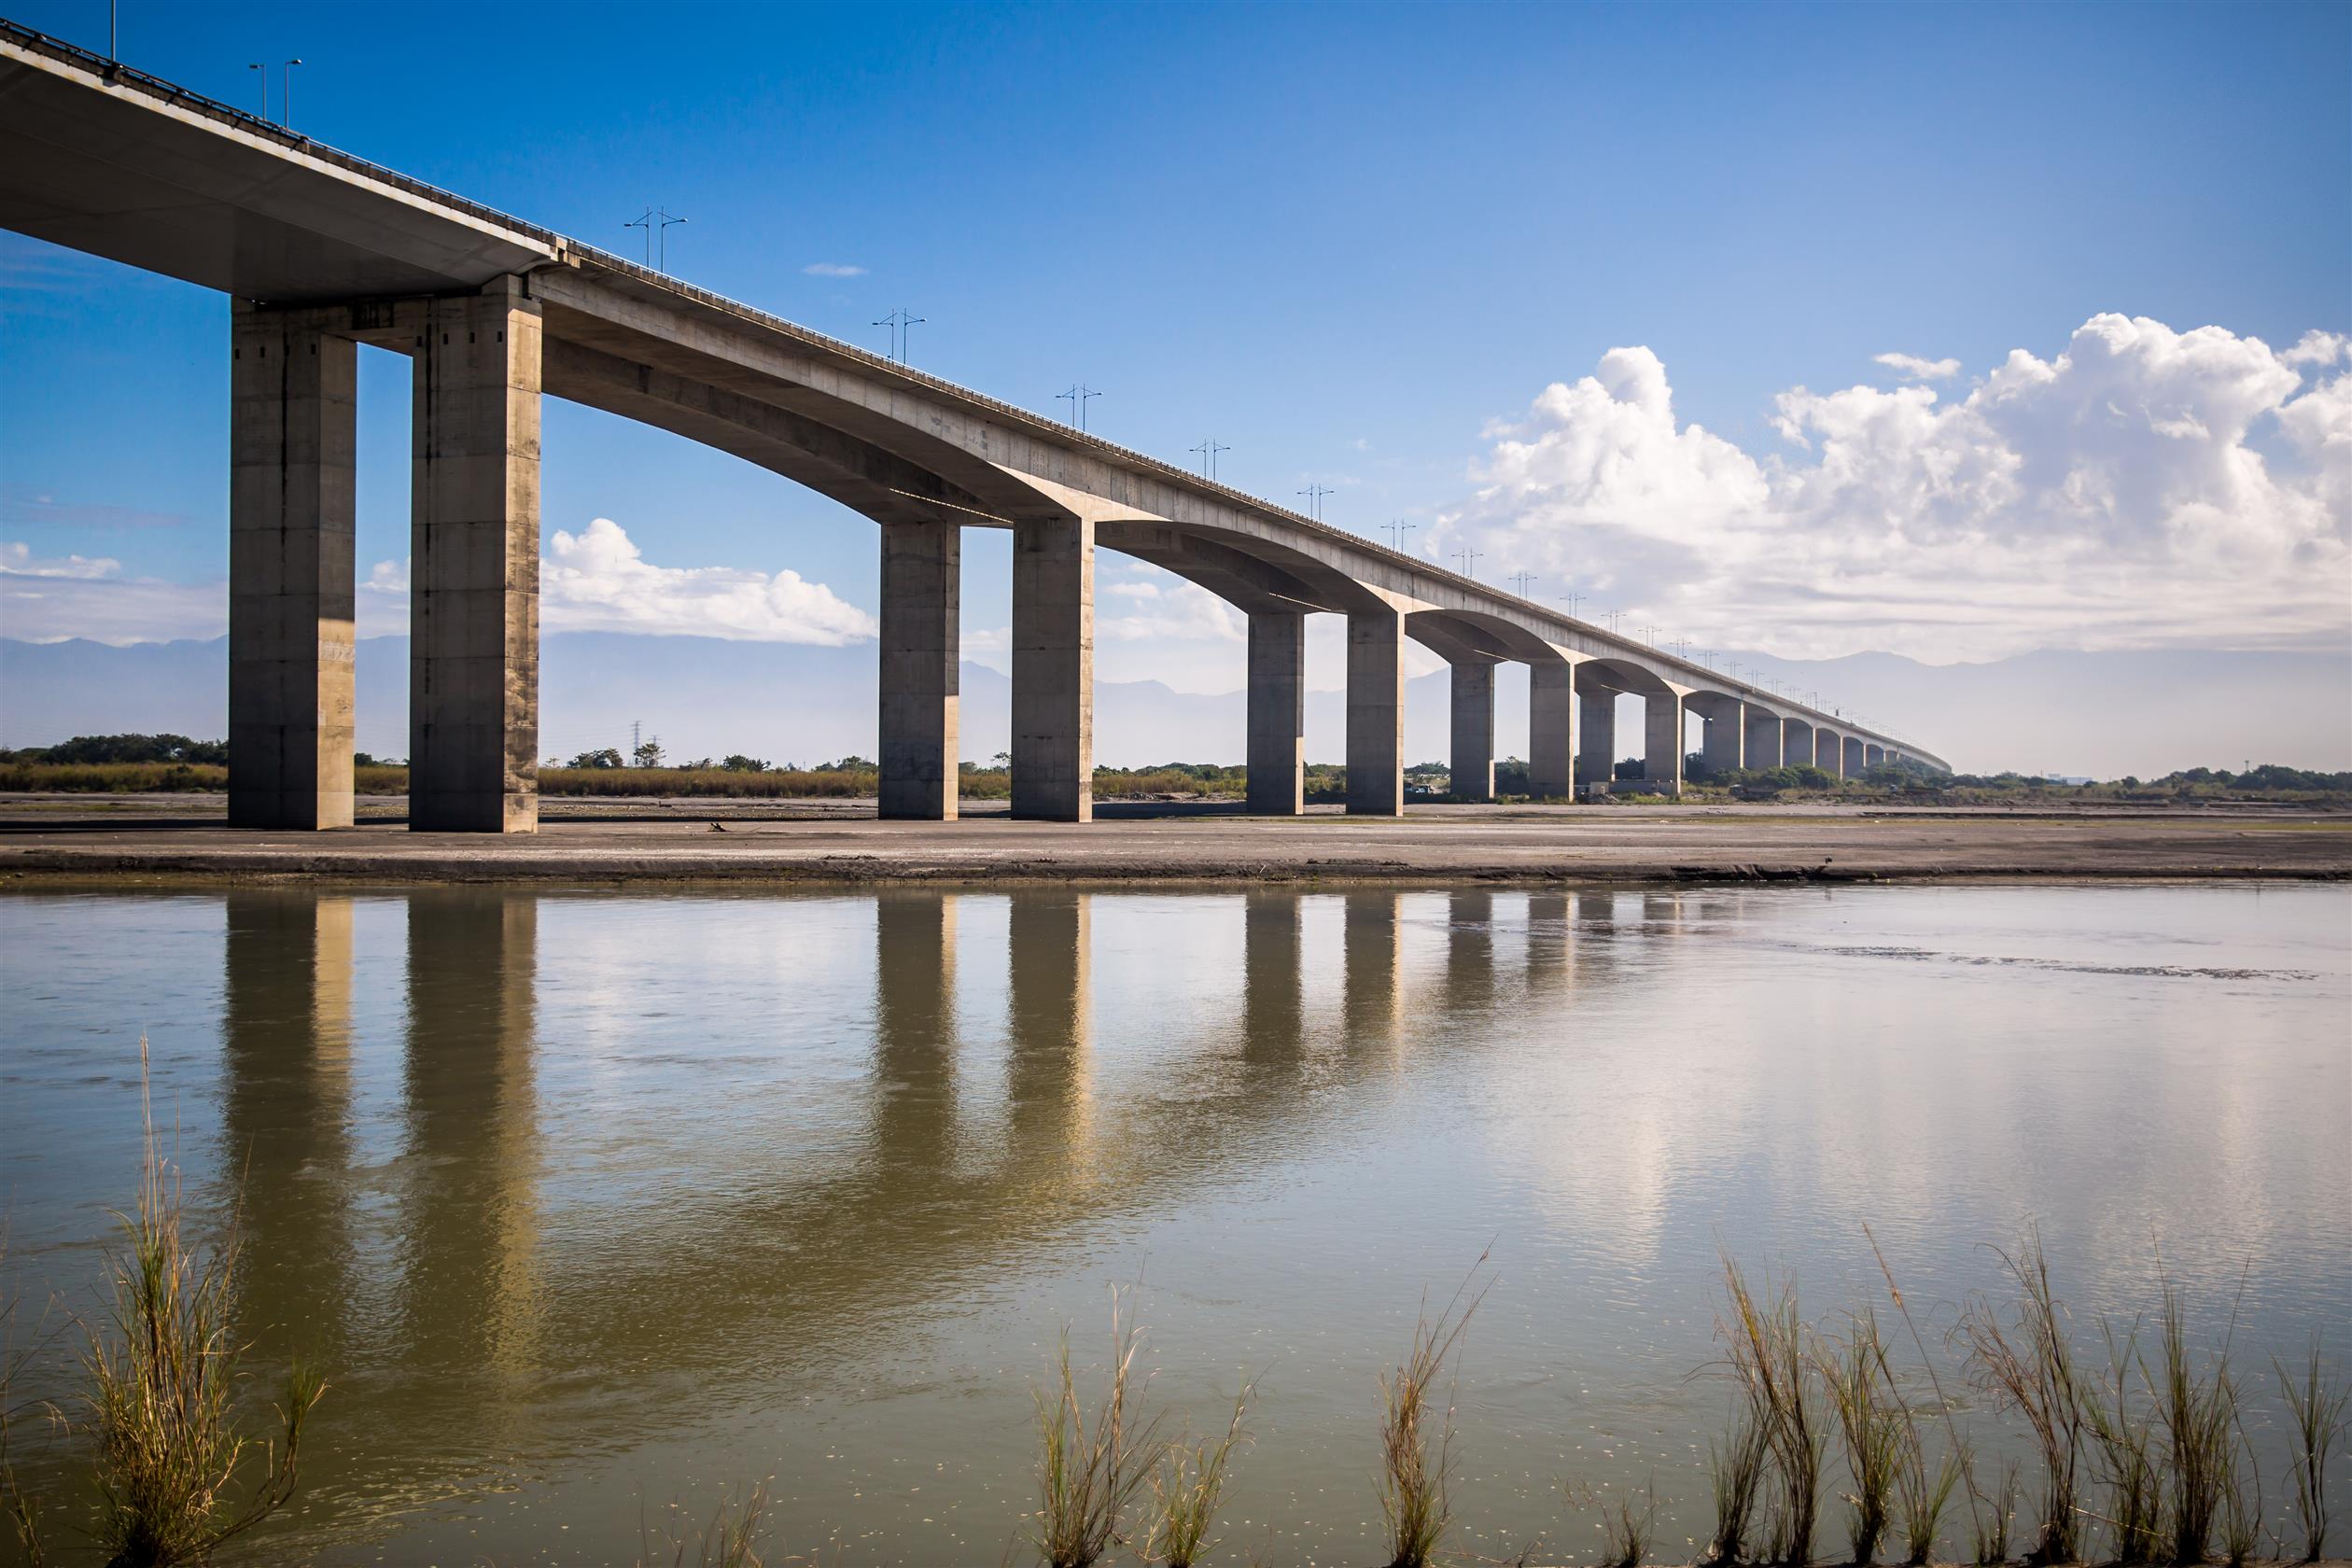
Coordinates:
(468, 1295)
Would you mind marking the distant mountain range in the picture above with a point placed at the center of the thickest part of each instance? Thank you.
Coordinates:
(2100, 714)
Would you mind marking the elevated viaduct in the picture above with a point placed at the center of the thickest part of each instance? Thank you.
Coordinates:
(322, 251)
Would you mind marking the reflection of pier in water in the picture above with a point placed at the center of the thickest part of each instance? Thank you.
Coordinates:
(778, 1264)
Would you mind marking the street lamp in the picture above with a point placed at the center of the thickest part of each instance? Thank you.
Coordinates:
(285, 98)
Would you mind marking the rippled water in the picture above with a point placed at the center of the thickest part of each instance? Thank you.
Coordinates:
(591, 1203)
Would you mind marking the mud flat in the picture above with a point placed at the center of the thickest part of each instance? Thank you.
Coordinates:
(184, 837)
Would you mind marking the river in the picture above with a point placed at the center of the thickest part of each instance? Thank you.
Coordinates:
(592, 1204)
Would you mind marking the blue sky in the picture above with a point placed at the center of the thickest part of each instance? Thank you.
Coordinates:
(1347, 241)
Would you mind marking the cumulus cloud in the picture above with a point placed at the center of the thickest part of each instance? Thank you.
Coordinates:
(1912, 368)
(833, 270)
(2143, 487)
(598, 581)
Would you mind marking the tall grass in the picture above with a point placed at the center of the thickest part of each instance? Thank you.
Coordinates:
(1186, 1490)
(2316, 1416)
(2028, 1365)
(1872, 1424)
(729, 1540)
(24, 1520)
(1090, 1469)
(163, 1372)
(1771, 1359)
(1417, 1433)
(2200, 1419)
(2129, 1461)
(1989, 1533)
(1625, 1532)
(1922, 1496)
(1735, 1472)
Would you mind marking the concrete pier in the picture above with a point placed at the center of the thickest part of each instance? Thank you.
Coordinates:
(291, 495)
(1797, 738)
(1551, 730)
(1053, 670)
(1375, 712)
(1278, 713)
(1596, 718)
(1761, 740)
(1473, 764)
(473, 662)
(922, 571)
(1662, 743)
(1723, 735)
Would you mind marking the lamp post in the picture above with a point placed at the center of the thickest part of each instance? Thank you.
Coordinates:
(286, 97)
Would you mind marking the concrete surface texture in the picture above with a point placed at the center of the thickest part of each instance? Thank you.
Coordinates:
(494, 311)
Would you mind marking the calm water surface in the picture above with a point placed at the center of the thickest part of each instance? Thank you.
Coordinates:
(594, 1203)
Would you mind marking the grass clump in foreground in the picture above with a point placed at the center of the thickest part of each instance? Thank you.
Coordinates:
(1775, 1371)
(1416, 1501)
(163, 1372)
(1091, 1469)
(2315, 1407)
(1873, 1425)
(2028, 1365)
(1185, 1492)
(729, 1540)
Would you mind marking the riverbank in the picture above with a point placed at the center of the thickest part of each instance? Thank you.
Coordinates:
(840, 841)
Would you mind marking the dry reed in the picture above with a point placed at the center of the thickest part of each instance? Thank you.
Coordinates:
(1873, 1424)
(1186, 1490)
(1090, 1469)
(2034, 1373)
(1416, 1493)
(2316, 1412)
(1771, 1359)
(162, 1374)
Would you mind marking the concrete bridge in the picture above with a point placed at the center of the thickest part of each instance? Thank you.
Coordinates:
(323, 251)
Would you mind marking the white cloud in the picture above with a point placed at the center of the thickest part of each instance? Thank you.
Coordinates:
(49, 599)
(598, 581)
(2318, 349)
(833, 270)
(18, 560)
(2116, 496)
(1912, 368)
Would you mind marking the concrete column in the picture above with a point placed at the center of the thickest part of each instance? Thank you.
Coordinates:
(474, 504)
(1277, 784)
(1473, 763)
(1762, 742)
(292, 400)
(1829, 753)
(1376, 713)
(1725, 744)
(1662, 743)
(1551, 730)
(1596, 718)
(1053, 670)
(1853, 757)
(923, 572)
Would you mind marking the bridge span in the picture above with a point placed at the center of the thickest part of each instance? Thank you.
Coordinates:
(322, 251)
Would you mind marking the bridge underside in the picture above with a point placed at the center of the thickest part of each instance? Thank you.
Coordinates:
(322, 251)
